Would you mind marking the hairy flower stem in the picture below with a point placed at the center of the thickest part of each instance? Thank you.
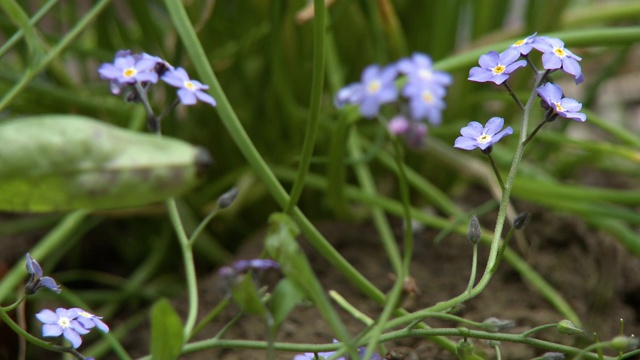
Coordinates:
(496, 171)
(513, 95)
(474, 267)
(535, 131)
(505, 244)
(153, 123)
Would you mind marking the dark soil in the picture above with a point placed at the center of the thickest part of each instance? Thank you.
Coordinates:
(591, 271)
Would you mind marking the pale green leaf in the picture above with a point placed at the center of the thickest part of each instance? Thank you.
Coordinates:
(166, 331)
(66, 162)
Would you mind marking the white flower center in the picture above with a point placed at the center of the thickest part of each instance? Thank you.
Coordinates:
(560, 52)
(484, 138)
(498, 69)
(425, 74)
(189, 85)
(85, 314)
(64, 322)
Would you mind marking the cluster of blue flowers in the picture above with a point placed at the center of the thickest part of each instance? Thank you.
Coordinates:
(128, 69)
(423, 91)
(70, 323)
(497, 68)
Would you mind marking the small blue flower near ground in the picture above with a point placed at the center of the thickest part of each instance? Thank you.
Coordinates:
(376, 88)
(552, 97)
(475, 135)
(62, 322)
(127, 69)
(496, 67)
(556, 56)
(190, 91)
(36, 280)
(88, 320)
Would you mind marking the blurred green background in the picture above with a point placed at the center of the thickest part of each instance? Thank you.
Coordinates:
(262, 54)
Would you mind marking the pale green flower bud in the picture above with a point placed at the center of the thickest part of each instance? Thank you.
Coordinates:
(566, 327)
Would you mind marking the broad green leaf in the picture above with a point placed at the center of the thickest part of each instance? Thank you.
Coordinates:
(285, 297)
(166, 331)
(66, 162)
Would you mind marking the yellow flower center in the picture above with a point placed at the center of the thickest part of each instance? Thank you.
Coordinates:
(560, 52)
(499, 69)
(189, 85)
(64, 322)
(427, 97)
(374, 87)
(519, 43)
(85, 314)
(130, 72)
(558, 106)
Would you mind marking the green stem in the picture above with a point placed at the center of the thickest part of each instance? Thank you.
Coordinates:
(32, 22)
(14, 305)
(189, 266)
(390, 336)
(20, 18)
(317, 86)
(203, 224)
(53, 53)
(495, 170)
(513, 94)
(365, 180)
(34, 340)
(538, 328)
(474, 267)
(504, 246)
(535, 131)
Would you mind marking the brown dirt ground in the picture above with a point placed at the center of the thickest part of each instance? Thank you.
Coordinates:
(591, 270)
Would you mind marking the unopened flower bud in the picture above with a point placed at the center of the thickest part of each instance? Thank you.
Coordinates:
(226, 199)
(474, 233)
(464, 350)
(552, 356)
(521, 221)
(494, 324)
(624, 343)
(566, 327)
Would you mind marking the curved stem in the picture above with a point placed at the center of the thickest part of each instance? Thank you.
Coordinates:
(474, 267)
(513, 94)
(189, 266)
(495, 170)
(34, 340)
(53, 53)
(317, 85)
